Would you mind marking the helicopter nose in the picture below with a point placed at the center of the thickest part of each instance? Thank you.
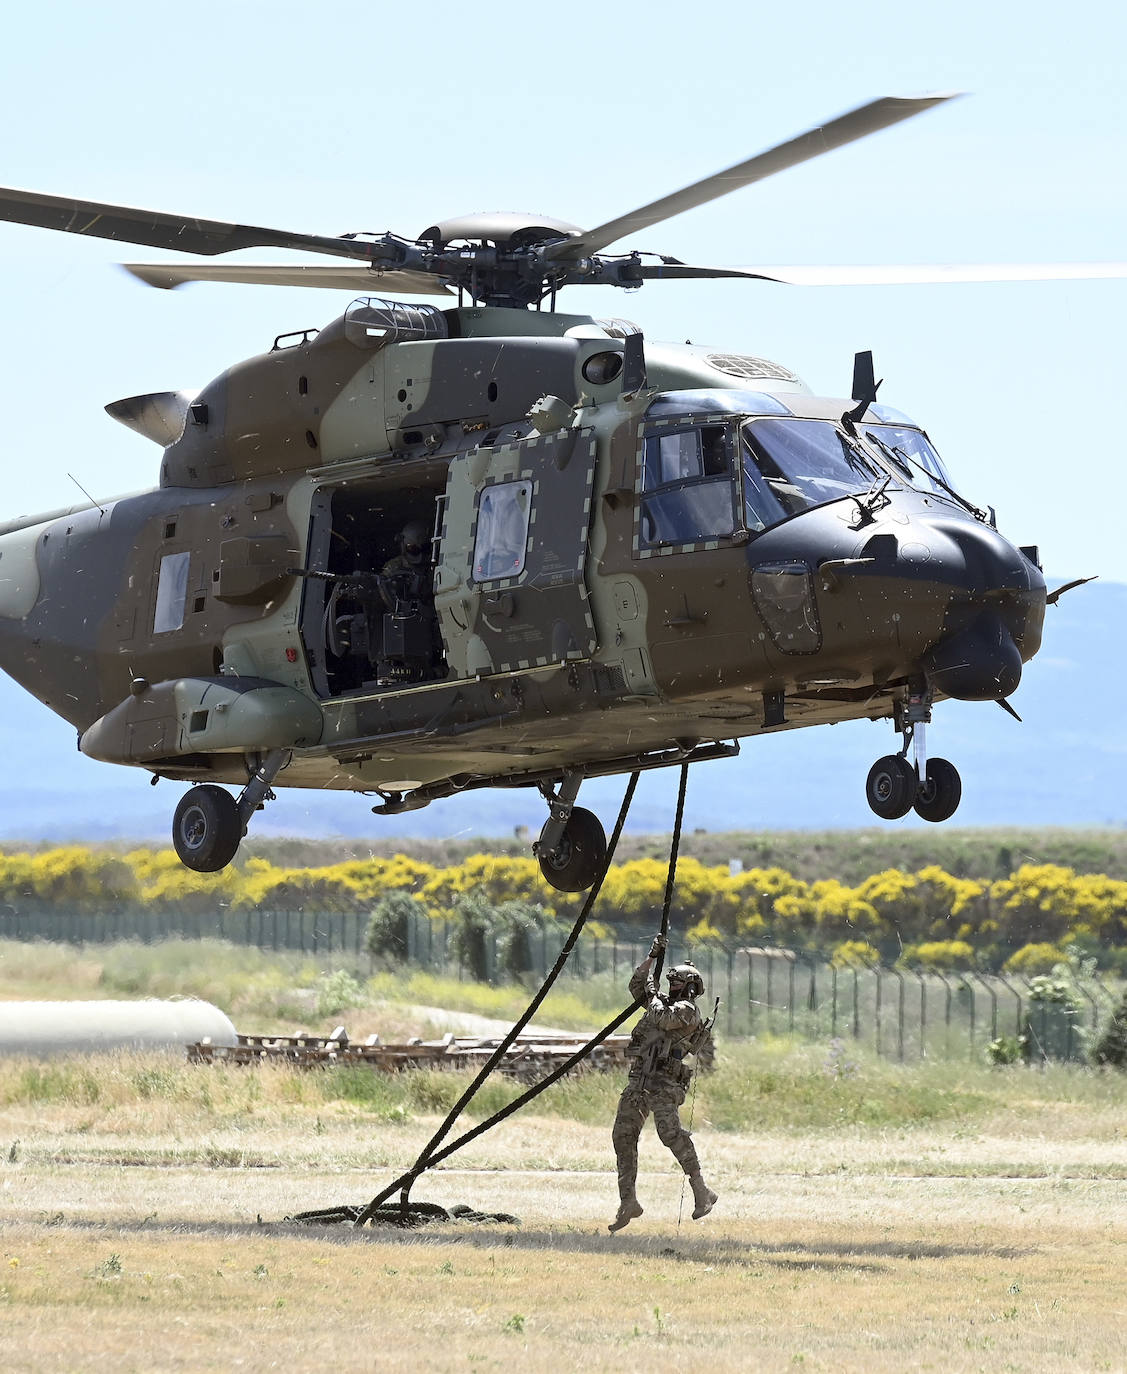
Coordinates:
(980, 662)
(994, 614)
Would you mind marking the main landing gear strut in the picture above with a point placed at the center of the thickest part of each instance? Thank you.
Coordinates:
(932, 787)
(210, 823)
(573, 845)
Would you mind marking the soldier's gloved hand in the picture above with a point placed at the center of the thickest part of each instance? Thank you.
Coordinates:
(658, 944)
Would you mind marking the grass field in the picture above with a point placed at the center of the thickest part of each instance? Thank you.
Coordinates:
(872, 1216)
(836, 1251)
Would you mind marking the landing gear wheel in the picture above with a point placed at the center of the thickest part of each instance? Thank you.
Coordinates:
(576, 861)
(940, 792)
(206, 830)
(890, 788)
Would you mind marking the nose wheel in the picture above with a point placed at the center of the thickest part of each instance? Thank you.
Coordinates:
(939, 793)
(890, 788)
(932, 787)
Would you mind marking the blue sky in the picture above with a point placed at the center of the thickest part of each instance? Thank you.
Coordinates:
(376, 117)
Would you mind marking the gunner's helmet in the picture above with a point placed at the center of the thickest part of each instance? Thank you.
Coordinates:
(413, 541)
(685, 980)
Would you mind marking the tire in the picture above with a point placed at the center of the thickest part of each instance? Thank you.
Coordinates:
(938, 796)
(579, 859)
(206, 831)
(890, 788)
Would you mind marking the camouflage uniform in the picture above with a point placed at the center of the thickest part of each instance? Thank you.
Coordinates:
(658, 1080)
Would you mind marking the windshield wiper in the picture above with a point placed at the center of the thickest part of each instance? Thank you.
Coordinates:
(876, 498)
(857, 458)
(905, 460)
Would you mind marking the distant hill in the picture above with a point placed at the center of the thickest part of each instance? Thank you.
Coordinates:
(1064, 766)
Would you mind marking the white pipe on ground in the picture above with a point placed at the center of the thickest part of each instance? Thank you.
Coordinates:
(49, 1028)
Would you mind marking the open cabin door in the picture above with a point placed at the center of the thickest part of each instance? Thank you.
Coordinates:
(509, 585)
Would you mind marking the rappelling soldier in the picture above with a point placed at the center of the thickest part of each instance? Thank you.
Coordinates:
(670, 1032)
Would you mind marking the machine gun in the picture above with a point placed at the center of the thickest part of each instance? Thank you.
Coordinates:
(394, 630)
(359, 584)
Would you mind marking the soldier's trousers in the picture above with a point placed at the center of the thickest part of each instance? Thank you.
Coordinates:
(662, 1097)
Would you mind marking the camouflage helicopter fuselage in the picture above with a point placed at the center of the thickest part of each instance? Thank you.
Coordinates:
(593, 610)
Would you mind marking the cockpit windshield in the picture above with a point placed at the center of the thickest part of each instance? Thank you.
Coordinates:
(911, 456)
(791, 465)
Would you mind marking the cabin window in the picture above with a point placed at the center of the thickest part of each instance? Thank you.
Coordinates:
(503, 514)
(172, 592)
(687, 487)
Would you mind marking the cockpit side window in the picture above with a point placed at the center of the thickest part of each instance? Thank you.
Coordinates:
(687, 487)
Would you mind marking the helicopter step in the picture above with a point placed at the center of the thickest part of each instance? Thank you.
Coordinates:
(930, 787)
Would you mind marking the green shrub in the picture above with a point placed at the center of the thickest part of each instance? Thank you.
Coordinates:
(391, 917)
(1007, 1049)
(473, 923)
(1112, 1046)
(337, 992)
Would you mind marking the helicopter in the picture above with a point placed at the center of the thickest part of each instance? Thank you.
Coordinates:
(431, 549)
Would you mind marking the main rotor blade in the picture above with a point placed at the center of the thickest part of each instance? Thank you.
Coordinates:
(924, 274)
(169, 275)
(866, 119)
(156, 229)
(682, 271)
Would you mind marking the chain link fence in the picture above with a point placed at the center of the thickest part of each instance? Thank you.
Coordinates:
(904, 1014)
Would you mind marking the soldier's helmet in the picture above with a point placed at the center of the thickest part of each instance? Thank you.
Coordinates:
(413, 541)
(685, 980)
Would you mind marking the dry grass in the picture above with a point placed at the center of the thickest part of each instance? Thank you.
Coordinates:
(146, 1233)
(873, 1216)
(822, 1272)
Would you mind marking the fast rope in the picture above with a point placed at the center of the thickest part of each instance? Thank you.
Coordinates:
(427, 1156)
(432, 1154)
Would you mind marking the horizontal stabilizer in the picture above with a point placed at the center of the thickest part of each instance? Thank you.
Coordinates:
(159, 416)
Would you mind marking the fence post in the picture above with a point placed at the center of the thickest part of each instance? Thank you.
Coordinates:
(923, 1012)
(899, 1012)
(750, 991)
(993, 1003)
(792, 960)
(770, 996)
(946, 1012)
(972, 1013)
(1007, 984)
(730, 954)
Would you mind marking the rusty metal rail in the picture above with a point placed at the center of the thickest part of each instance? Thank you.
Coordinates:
(526, 1059)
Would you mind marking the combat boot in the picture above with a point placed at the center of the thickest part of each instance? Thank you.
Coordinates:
(703, 1196)
(628, 1209)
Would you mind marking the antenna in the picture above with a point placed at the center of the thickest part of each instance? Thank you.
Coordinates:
(85, 493)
